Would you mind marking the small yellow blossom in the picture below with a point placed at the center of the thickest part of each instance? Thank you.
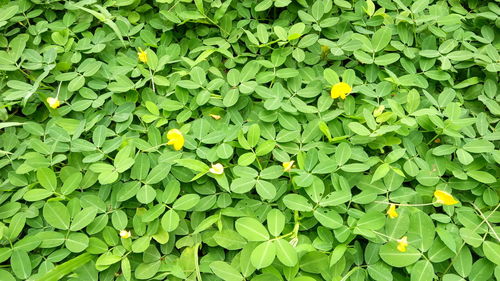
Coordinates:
(402, 244)
(175, 138)
(378, 111)
(125, 234)
(392, 211)
(287, 165)
(215, 116)
(444, 198)
(53, 102)
(217, 169)
(341, 90)
(325, 50)
(143, 56)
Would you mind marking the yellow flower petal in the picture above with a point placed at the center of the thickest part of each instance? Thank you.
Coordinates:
(402, 244)
(341, 90)
(53, 102)
(143, 56)
(287, 165)
(215, 116)
(444, 198)
(378, 111)
(217, 169)
(175, 138)
(125, 234)
(391, 212)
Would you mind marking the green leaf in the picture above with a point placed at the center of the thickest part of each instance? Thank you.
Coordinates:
(297, 202)
(335, 198)
(230, 239)
(355, 167)
(253, 135)
(264, 5)
(393, 257)
(9, 12)
(6, 276)
(471, 237)
(17, 46)
(343, 153)
(387, 59)
(77, 242)
(66, 268)
(331, 76)
(56, 214)
(170, 220)
(47, 178)
(193, 164)
(251, 229)
(463, 262)
(242, 185)
(286, 254)
(246, 159)
(482, 176)
(186, 202)
(479, 146)
(37, 194)
(264, 254)
(417, 7)
(225, 271)
(314, 262)
(422, 271)
(381, 172)
(83, 218)
(157, 174)
(492, 251)
(381, 38)
(107, 259)
(379, 272)
(359, 129)
(422, 226)
(265, 189)
(146, 194)
(141, 244)
(328, 218)
(371, 221)
(275, 222)
(265, 147)
(21, 264)
(76, 84)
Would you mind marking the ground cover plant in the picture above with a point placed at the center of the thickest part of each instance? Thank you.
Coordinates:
(249, 140)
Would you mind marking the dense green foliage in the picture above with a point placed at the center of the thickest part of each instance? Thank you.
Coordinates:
(89, 90)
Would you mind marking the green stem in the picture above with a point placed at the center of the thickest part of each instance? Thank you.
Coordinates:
(405, 205)
(196, 262)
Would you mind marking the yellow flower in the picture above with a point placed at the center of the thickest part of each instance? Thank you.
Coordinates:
(402, 244)
(125, 234)
(143, 56)
(378, 111)
(341, 90)
(217, 169)
(175, 138)
(287, 165)
(53, 102)
(392, 211)
(215, 116)
(444, 198)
